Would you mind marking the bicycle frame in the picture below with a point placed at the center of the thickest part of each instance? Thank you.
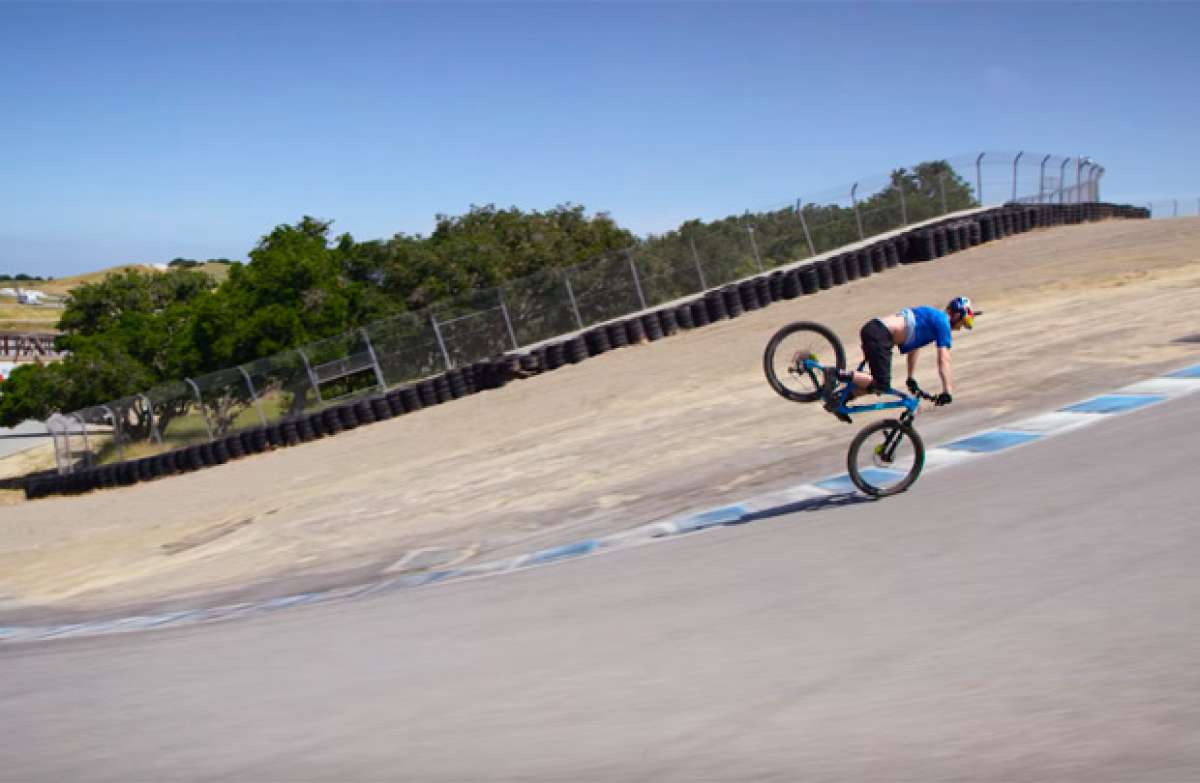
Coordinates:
(908, 402)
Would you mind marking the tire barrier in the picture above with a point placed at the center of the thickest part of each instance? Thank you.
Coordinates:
(652, 326)
(927, 243)
(748, 295)
(733, 301)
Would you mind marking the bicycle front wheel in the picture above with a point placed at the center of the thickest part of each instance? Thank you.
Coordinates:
(783, 360)
(885, 458)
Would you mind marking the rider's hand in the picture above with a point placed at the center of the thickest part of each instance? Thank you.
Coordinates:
(912, 385)
(943, 399)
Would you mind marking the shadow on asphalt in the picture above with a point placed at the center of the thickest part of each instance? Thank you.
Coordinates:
(811, 504)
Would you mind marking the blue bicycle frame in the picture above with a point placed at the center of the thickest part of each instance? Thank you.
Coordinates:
(908, 402)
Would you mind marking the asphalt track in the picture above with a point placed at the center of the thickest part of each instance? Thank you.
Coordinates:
(1029, 616)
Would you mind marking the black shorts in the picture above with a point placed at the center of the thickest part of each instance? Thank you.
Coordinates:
(877, 346)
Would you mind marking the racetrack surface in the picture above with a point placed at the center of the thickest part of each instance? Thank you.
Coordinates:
(635, 435)
(1029, 616)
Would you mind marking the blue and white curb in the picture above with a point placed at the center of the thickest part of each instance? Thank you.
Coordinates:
(1103, 407)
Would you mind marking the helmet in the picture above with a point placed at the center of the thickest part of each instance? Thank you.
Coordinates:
(961, 306)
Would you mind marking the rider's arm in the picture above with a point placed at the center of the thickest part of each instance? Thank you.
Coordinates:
(912, 362)
(943, 362)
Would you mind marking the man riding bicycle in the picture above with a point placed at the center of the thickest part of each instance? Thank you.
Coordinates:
(909, 330)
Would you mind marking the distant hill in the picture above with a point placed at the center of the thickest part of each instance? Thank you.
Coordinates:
(41, 319)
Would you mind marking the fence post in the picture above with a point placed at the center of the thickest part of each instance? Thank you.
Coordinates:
(312, 376)
(200, 404)
(253, 395)
(857, 217)
(1016, 161)
(87, 446)
(903, 203)
(1175, 207)
(1042, 180)
(979, 178)
(116, 433)
(699, 269)
(154, 431)
(566, 273)
(374, 359)
(754, 245)
(636, 283)
(437, 332)
(812, 249)
(1078, 169)
(507, 320)
(1062, 181)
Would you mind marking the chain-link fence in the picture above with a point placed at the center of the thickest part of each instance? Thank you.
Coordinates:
(521, 313)
(1172, 207)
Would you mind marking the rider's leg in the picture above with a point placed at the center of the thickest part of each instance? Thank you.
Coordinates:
(877, 347)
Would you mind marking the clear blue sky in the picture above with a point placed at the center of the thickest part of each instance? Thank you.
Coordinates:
(143, 131)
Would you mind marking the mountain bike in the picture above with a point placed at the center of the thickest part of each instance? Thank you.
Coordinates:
(886, 456)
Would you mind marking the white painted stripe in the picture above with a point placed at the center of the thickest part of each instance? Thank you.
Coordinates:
(1056, 421)
(939, 457)
(1171, 387)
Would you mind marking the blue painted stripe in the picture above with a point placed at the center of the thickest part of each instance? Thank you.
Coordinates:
(840, 483)
(994, 440)
(717, 516)
(559, 552)
(1186, 372)
(1114, 403)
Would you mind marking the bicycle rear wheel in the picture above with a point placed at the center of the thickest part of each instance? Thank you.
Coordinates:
(783, 360)
(885, 458)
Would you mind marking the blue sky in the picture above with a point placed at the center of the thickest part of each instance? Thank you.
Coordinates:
(138, 132)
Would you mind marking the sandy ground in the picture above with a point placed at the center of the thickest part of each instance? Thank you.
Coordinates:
(639, 434)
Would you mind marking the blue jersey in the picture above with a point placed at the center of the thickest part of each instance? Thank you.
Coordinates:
(925, 325)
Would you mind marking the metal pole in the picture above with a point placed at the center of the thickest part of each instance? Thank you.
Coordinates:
(374, 359)
(754, 247)
(1016, 161)
(942, 191)
(87, 446)
(507, 320)
(150, 414)
(200, 404)
(253, 395)
(903, 204)
(1175, 209)
(1078, 169)
(441, 343)
(857, 217)
(312, 376)
(804, 225)
(699, 268)
(1042, 180)
(571, 294)
(979, 178)
(116, 432)
(637, 284)
(1062, 181)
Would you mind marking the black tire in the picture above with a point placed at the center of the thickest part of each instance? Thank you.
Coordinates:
(395, 404)
(553, 355)
(427, 394)
(332, 420)
(304, 429)
(652, 326)
(748, 294)
(809, 279)
(837, 267)
(233, 444)
(669, 323)
(733, 301)
(850, 265)
(792, 284)
(576, 350)
(441, 387)
(683, 316)
(807, 338)
(635, 331)
(878, 259)
(291, 435)
(866, 468)
(775, 285)
(381, 409)
(458, 383)
(364, 412)
(824, 275)
(597, 341)
(412, 399)
(700, 313)
(714, 303)
(763, 286)
(865, 268)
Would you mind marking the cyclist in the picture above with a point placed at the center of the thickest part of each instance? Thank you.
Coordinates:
(909, 330)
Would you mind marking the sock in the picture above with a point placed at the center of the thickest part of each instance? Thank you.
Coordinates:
(845, 376)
